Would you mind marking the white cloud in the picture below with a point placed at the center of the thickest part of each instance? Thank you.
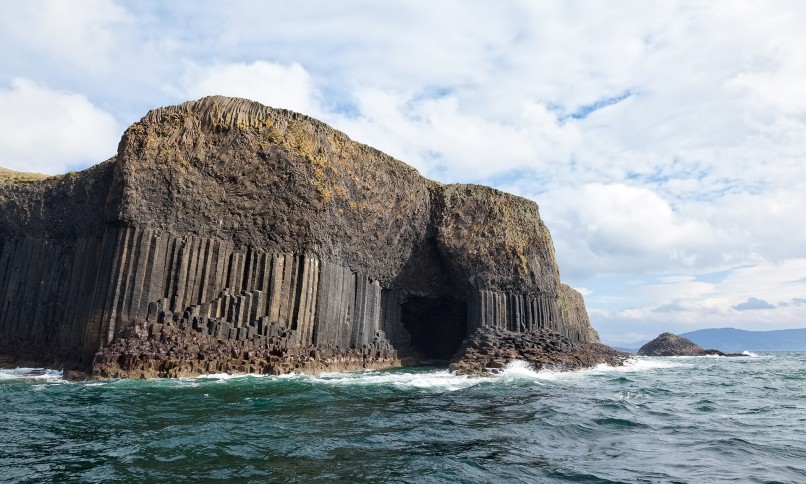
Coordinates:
(272, 84)
(761, 296)
(698, 169)
(84, 35)
(622, 229)
(443, 139)
(48, 131)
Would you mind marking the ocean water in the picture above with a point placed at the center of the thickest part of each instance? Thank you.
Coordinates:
(700, 419)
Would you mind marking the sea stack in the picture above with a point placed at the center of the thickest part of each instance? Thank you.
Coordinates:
(669, 344)
(225, 235)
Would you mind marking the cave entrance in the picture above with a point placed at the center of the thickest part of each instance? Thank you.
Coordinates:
(437, 325)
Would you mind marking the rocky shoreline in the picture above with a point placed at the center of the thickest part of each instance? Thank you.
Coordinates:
(167, 351)
(227, 236)
(488, 350)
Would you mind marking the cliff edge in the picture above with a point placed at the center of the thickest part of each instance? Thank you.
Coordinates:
(225, 235)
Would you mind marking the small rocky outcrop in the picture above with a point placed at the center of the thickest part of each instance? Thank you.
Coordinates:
(669, 344)
(488, 350)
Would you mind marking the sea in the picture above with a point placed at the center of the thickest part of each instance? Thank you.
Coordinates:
(680, 419)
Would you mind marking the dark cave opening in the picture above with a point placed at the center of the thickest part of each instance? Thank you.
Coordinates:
(437, 325)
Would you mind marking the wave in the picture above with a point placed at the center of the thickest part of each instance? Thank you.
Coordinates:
(398, 378)
(435, 379)
(402, 378)
(517, 371)
(31, 374)
(234, 376)
(632, 365)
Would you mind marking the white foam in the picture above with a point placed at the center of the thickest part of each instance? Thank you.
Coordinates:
(226, 376)
(750, 354)
(632, 365)
(626, 395)
(437, 380)
(515, 371)
(522, 371)
(644, 364)
(31, 374)
(519, 369)
(209, 378)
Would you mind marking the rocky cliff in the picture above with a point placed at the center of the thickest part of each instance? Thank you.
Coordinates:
(223, 223)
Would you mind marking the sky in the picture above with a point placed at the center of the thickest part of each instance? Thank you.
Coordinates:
(663, 141)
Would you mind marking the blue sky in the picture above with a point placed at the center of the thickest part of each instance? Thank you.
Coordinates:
(663, 141)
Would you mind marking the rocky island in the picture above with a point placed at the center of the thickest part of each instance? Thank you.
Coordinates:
(227, 236)
(670, 344)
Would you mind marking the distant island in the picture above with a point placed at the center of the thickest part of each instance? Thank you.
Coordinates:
(731, 339)
(670, 344)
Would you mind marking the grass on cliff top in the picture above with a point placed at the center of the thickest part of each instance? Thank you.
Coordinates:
(20, 176)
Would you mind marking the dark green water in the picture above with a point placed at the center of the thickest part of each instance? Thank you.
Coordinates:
(656, 420)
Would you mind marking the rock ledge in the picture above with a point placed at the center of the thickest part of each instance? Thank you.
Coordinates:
(488, 350)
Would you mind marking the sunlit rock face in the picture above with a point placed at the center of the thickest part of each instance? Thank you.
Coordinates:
(223, 224)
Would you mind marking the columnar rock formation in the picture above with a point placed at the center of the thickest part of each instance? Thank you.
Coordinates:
(239, 222)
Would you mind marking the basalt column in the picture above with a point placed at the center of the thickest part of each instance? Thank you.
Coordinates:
(229, 221)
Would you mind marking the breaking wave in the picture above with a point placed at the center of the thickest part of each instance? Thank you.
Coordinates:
(650, 420)
(30, 374)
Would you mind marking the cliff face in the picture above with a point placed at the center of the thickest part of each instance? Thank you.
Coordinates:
(243, 223)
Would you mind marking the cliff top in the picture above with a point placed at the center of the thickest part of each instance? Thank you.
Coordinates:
(7, 175)
(222, 112)
(236, 170)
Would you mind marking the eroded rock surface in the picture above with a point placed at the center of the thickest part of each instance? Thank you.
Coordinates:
(224, 220)
(488, 350)
(168, 351)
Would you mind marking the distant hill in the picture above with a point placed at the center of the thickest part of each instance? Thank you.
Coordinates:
(733, 340)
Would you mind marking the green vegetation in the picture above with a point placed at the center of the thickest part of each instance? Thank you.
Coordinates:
(7, 175)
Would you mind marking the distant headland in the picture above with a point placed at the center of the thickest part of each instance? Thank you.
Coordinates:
(730, 339)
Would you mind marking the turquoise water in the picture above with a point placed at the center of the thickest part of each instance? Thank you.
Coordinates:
(656, 420)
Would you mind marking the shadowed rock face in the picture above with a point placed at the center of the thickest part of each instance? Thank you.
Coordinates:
(489, 350)
(270, 232)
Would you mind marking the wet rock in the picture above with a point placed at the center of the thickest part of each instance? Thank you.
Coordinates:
(172, 352)
(488, 350)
